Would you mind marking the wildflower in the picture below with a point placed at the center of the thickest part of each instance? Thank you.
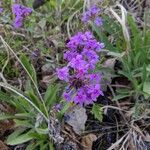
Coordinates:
(63, 73)
(35, 53)
(20, 13)
(78, 63)
(94, 10)
(1, 9)
(83, 90)
(95, 91)
(69, 55)
(98, 21)
(58, 107)
(92, 14)
(85, 45)
(18, 21)
(82, 56)
(80, 96)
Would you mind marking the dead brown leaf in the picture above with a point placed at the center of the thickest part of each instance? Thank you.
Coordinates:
(131, 145)
(6, 125)
(87, 141)
(69, 131)
(3, 146)
(4, 107)
(147, 137)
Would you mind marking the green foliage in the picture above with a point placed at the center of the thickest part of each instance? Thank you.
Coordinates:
(29, 106)
(17, 137)
(29, 68)
(135, 64)
(47, 29)
(51, 96)
(97, 112)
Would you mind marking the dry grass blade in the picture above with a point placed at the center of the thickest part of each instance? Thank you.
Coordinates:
(123, 22)
(131, 140)
(116, 144)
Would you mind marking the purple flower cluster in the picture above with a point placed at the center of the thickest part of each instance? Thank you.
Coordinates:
(1, 9)
(20, 13)
(92, 14)
(83, 85)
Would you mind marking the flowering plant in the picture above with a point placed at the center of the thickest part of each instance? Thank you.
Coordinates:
(92, 14)
(82, 56)
(1, 8)
(20, 13)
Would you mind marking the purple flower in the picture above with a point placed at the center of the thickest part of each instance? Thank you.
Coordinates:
(80, 97)
(92, 14)
(100, 46)
(20, 13)
(95, 91)
(95, 78)
(63, 73)
(98, 21)
(58, 107)
(83, 44)
(67, 96)
(82, 56)
(94, 10)
(26, 11)
(77, 62)
(69, 55)
(86, 16)
(17, 9)
(18, 22)
(1, 10)
(83, 90)
(35, 53)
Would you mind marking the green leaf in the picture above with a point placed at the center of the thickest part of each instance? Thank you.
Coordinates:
(115, 54)
(23, 115)
(22, 123)
(146, 87)
(64, 109)
(31, 146)
(39, 136)
(18, 138)
(97, 112)
(103, 38)
(36, 101)
(34, 98)
(148, 68)
(144, 73)
(118, 97)
(5, 97)
(29, 67)
(50, 96)
(16, 91)
(6, 116)
(51, 146)
(133, 26)
(42, 131)
(42, 23)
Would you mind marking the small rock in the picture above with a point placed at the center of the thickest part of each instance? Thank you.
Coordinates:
(76, 118)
